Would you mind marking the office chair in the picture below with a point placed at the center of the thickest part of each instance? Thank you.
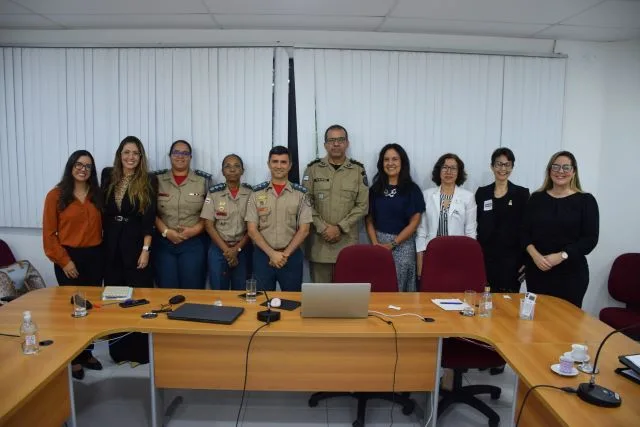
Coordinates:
(375, 265)
(456, 264)
(624, 286)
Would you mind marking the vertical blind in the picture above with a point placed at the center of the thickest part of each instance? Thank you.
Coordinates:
(433, 103)
(55, 101)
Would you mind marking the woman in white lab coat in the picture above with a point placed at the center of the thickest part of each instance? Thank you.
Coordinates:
(451, 210)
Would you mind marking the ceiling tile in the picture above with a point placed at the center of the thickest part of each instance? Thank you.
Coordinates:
(6, 7)
(135, 21)
(609, 14)
(302, 7)
(86, 7)
(354, 23)
(596, 34)
(523, 11)
(441, 26)
(26, 21)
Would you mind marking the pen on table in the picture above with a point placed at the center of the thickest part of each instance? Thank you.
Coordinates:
(451, 302)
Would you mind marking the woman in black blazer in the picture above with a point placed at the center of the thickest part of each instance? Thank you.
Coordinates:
(128, 219)
(501, 208)
(129, 215)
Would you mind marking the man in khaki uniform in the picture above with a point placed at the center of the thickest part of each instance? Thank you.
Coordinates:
(180, 247)
(278, 218)
(340, 199)
(224, 211)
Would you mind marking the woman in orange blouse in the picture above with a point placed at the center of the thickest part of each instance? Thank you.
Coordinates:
(72, 234)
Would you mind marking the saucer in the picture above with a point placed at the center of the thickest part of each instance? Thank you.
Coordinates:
(568, 354)
(556, 368)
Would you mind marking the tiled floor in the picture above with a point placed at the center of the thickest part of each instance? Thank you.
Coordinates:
(119, 396)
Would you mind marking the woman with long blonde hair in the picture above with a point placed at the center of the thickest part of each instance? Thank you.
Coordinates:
(561, 226)
(128, 220)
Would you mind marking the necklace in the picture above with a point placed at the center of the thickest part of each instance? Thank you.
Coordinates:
(390, 192)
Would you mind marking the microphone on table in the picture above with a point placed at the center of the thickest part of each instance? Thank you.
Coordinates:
(595, 394)
(268, 316)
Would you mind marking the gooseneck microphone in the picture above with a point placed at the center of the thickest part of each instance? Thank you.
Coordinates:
(267, 315)
(595, 394)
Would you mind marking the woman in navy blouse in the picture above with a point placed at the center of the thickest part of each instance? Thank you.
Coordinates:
(395, 207)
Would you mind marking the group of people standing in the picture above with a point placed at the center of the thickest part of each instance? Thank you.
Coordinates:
(103, 232)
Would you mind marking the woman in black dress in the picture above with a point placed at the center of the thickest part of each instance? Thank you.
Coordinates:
(561, 227)
(128, 220)
(500, 211)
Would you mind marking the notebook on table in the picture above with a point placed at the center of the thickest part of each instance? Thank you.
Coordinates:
(117, 293)
(207, 313)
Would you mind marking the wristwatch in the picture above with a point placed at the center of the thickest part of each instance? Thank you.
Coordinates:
(164, 233)
(564, 255)
(146, 248)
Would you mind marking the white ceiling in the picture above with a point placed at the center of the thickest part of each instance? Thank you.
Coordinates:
(590, 20)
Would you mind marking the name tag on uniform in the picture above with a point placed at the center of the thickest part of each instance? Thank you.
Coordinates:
(488, 205)
(196, 194)
(163, 194)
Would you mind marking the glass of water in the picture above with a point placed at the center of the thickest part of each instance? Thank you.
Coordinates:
(470, 303)
(251, 290)
(79, 304)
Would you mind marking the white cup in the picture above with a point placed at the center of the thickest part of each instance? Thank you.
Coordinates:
(566, 364)
(579, 352)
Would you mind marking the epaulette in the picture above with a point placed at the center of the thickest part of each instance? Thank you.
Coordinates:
(298, 187)
(217, 187)
(159, 172)
(245, 185)
(355, 162)
(202, 173)
(313, 162)
(260, 186)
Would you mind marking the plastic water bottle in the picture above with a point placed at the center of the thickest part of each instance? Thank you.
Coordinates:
(486, 303)
(29, 334)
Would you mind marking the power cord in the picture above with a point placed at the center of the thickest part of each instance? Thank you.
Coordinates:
(246, 370)
(419, 316)
(565, 389)
(395, 366)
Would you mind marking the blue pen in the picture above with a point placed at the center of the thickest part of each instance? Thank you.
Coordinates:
(451, 302)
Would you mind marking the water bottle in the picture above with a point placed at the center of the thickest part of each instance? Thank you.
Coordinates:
(29, 334)
(486, 303)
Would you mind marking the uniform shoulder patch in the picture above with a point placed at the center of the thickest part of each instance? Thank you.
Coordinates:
(245, 185)
(159, 172)
(217, 187)
(202, 173)
(355, 162)
(298, 187)
(261, 186)
(313, 162)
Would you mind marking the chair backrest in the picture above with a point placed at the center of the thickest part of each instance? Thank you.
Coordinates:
(6, 256)
(624, 279)
(367, 264)
(453, 264)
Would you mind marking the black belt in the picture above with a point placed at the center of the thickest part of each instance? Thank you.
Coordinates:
(120, 218)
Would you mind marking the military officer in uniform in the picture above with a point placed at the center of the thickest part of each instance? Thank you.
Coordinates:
(181, 248)
(278, 219)
(224, 210)
(338, 189)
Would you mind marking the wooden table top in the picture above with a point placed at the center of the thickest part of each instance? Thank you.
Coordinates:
(530, 347)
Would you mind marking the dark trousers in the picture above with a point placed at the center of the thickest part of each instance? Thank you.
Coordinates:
(88, 262)
(289, 276)
(181, 266)
(223, 277)
(119, 273)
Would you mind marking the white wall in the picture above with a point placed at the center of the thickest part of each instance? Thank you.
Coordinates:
(602, 122)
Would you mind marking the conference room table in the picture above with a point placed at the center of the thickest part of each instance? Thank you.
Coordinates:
(310, 354)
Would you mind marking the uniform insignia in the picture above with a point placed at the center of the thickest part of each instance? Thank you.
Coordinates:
(305, 178)
(355, 162)
(308, 199)
(202, 174)
(261, 186)
(298, 187)
(217, 187)
(159, 172)
(245, 185)
(313, 162)
(207, 200)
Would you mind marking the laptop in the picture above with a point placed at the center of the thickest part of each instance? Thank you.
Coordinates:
(224, 315)
(339, 300)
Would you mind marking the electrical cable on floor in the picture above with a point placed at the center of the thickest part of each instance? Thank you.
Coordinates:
(395, 366)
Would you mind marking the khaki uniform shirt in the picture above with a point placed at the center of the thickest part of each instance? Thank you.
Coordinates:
(339, 197)
(180, 205)
(278, 217)
(226, 212)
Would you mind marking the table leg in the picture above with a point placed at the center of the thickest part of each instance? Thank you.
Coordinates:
(436, 390)
(514, 405)
(72, 400)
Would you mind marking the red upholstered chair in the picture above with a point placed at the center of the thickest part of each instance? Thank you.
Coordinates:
(624, 286)
(375, 265)
(456, 264)
(6, 256)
